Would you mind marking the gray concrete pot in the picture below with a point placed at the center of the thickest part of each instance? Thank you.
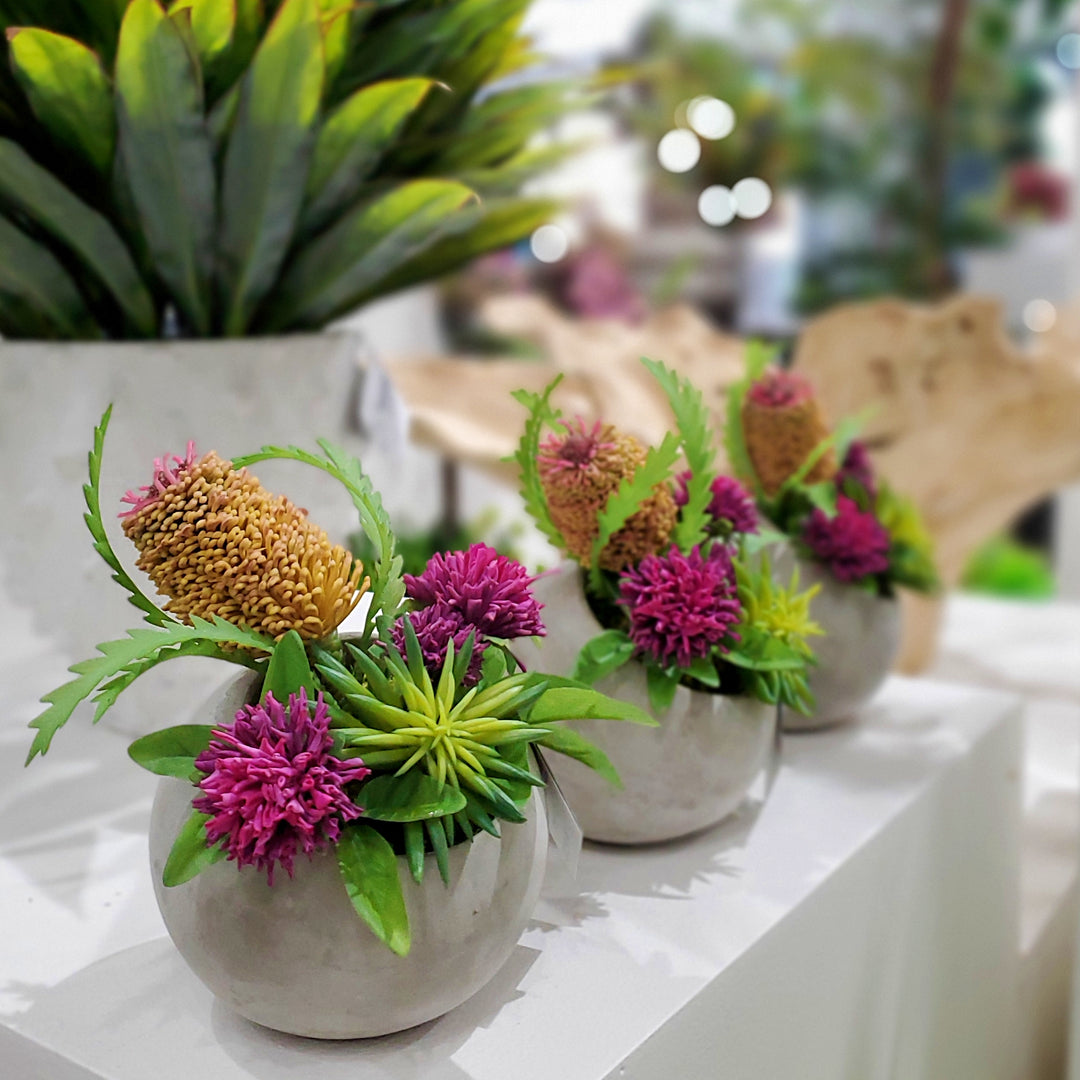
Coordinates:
(230, 396)
(295, 957)
(689, 773)
(860, 646)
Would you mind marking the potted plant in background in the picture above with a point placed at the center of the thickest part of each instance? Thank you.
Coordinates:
(848, 532)
(190, 193)
(334, 765)
(665, 602)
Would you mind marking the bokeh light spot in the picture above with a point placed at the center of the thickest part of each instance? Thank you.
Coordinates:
(710, 117)
(753, 197)
(679, 151)
(716, 205)
(1068, 50)
(549, 244)
(1039, 315)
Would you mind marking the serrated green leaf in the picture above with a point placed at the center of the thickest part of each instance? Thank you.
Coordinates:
(369, 869)
(412, 797)
(350, 143)
(191, 854)
(758, 357)
(694, 426)
(68, 90)
(171, 752)
(540, 415)
(602, 655)
(118, 656)
(166, 156)
(629, 497)
(268, 158)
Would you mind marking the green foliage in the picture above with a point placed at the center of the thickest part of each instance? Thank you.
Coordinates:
(191, 853)
(139, 651)
(662, 683)
(288, 671)
(628, 497)
(369, 870)
(569, 742)
(171, 752)
(693, 424)
(911, 548)
(412, 797)
(602, 655)
(247, 168)
(1004, 567)
(540, 415)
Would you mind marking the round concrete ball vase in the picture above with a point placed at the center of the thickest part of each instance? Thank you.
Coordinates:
(685, 775)
(856, 654)
(297, 958)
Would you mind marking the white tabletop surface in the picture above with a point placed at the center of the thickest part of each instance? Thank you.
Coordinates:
(601, 985)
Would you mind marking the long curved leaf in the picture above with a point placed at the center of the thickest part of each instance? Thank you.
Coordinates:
(213, 23)
(166, 155)
(341, 268)
(37, 193)
(369, 869)
(191, 852)
(268, 157)
(68, 90)
(350, 144)
(34, 284)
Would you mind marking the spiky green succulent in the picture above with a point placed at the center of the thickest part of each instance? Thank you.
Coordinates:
(234, 167)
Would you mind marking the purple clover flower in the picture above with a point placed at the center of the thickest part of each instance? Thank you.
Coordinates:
(731, 504)
(853, 544)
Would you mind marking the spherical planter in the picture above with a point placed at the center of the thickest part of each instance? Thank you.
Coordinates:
(860, 646)
(689, 773)
(297, 958)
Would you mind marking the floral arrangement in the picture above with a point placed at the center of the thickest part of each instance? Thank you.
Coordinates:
(404, 739)
(674, 564)
(818, 487)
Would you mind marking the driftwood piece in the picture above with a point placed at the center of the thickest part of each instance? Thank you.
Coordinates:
(462, 407)
(970, 426)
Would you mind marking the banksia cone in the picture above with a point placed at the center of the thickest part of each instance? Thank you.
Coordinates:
(217, 543)
(580, 471)
(782, 423)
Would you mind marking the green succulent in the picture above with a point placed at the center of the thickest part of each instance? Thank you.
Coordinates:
(236, 167)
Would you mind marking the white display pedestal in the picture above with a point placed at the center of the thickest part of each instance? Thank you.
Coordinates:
(861, 922)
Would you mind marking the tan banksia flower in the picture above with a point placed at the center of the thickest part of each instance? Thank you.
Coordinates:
(782, 423)
(579, 472)
(217, 543)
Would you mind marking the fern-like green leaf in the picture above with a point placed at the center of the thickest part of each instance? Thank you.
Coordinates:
(629, 496)
(92, 497)
(388, 586)
(692, 420)
(118, 657)
(758, 357)
(540, 414)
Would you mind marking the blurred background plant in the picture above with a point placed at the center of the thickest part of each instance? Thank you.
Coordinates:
(224, 169)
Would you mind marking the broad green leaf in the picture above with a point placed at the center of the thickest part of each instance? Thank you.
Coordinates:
(478, 230)
(69, 92)
(603, 654)
(166, 156)
(191, 854)
(350, 144)
(412, 797)
(629, 497)
(493, 666)
(569, 742)
(289, 671)
(33, 281)
(571, 703)
(336, 22)
(171, 752)
(213, 23)
(268, 157)
(662, 684)
(338, 270)
(704, 670)
(117, 656)
(369, 869)
(36, 192)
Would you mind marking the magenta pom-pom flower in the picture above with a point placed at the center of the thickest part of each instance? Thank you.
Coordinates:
(857, 466)
(731, 504)
(435, 628)
(681, 607)
(273, 788)
(490, 592)
(853, 544)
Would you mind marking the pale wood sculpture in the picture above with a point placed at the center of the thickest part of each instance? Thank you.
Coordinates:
(970, 426)
(462, 407)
